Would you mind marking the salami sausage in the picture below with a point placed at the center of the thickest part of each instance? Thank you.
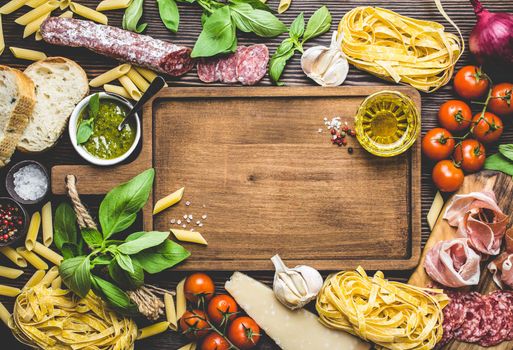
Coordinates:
(141, 50)
(477, 314)
(252, 64)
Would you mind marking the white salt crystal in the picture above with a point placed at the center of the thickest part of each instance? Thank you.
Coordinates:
(30, 182)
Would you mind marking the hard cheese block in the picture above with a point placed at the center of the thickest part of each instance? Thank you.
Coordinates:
(291, 330)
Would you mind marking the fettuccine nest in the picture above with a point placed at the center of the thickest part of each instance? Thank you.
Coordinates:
(392, 315)
(56, 319)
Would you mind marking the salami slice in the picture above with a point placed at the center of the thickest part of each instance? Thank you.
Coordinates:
(207, 70)
(227, 66)
(252, 64)
(141, 50)
(500, 320)
(477, 311)
(454, 316)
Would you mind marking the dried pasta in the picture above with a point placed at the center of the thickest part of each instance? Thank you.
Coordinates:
(64, 4)
(88, 13)
(284, 5)
(33, 230)
(39, 11)
(2, 40)
(11, 6)
(67, 14)
(10, 273)
(130, 87)
(35, 3)
(32, 258)
(154, 329)
(146, 73)
(13, 255)
(50, 276)
(107, 5)
(34, 26)
(47, 253)
(110, 75)
(57, 283)
(401, 49)
(181, 303)
(35, 279)
(170, 308)
(5, 315)
(26, 54)
(8, 291)
(190, 346)
(394, 315)
(189, 236)
(168, 201)
(138, 80)
(47, 222)
(115, 89)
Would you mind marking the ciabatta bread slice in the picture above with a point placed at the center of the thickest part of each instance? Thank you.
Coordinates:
(60, 85)
(17, 100)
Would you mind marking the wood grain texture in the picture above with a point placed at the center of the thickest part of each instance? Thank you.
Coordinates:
(63, 153)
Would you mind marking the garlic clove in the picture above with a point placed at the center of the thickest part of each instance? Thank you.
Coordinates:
(337, 73)
(312, 277)
(309, 57)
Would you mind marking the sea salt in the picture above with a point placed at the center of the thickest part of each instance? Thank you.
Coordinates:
(30, 182)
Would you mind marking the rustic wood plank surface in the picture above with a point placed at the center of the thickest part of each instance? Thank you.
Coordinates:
(459, 10)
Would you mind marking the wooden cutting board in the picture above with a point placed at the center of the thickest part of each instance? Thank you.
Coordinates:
(253, 160)
(502, 185)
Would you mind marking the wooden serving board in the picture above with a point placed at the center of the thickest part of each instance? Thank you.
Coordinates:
(502, 185)
(253, 160)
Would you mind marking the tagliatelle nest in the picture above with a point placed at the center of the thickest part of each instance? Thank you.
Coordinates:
(56, 319)
(399, 48)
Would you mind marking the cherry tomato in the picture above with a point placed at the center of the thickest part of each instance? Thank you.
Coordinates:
(501, 103)
(471, 83)
(244, 333)
(470, 154)
(197, 286)
(438, 144)
(222, 305)
(455, 115)
(487, 127)
(447, 177)
(193, 324)
(214, 341)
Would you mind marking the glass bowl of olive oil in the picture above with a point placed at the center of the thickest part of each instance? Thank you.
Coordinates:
(387, 123)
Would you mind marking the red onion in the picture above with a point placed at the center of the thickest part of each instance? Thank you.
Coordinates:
(491, 40)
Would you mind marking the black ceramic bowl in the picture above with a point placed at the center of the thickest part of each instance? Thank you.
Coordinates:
(9, 182)
(22, 231)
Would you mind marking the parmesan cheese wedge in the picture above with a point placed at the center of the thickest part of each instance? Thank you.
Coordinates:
(291, 330)
(434, 211)
(189, 236)
(168, 201)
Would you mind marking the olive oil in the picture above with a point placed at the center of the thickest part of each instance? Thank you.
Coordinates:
(387, 123)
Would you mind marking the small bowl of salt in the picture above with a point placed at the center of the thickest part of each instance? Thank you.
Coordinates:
(27, 182)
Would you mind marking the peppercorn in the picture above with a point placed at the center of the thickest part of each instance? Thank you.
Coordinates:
(333, 131)
(350, 150)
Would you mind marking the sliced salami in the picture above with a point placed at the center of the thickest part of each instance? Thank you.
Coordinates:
(227, 66)
(207, 70)
(454, 316)
(252, 64)
(500, 320)
(477, 311)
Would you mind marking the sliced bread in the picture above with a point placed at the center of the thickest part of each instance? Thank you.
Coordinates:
(17, 100)
(60, 85)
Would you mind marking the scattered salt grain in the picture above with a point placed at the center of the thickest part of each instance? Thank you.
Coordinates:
(173, 221)
(200, 225)
(184, 225)
(198, 222)
(185, 216)
(30, 182)
(319, 130)
(179, 222)
(204, 217)
(190, 216)
(188, 221)
(187, 203)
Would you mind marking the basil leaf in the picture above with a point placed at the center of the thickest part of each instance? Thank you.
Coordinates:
(132, 15)
(256, 4)
(94, 106)
(507, 151)
(124, 279)
(92, 237)
(125, 262)
(217, 35)
(84, 132)
(318, 24)
(162, 257)
(76, 274)
(168, 11)
(500, 163)
(139, 241)
(115, 297)
(70, 250)
(101, 260)
(65, 225)
(279, 61)
(297, 28)
(262, 23)
(120, 206)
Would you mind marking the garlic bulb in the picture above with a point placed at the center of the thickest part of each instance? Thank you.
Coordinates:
(327, 66)
(295, 287)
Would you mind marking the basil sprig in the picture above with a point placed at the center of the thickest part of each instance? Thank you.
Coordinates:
(85, 128)
(127, 260)
(132, 16)
(168, 11)
(318, 24)
(501, 161)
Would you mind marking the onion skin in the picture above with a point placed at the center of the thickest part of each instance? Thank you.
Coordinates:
(491, 40)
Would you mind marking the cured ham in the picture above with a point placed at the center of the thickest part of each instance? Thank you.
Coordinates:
(478, 218)
(453, 263)
(502, 266)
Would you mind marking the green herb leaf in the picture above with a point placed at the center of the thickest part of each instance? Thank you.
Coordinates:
(115, 297)
(256, 4)
(84, 132)
(162, 257)
(75, 273)
(507, 151)
(318, 24)
(217, 36)
(94, 106)
(279, 60)
(125, 262)
(169, 14)
(132, 15)
(101, 260)
(297, 28)
(120, 206)
(70, 250)
(139, 241)
(124, 279)
(92, 237)
(65, 225)
(500, 163)
(260, 22)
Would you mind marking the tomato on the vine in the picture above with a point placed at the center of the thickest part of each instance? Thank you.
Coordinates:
(501, 102)
(487, 127)
(194, 325)
(215, 341)
(455, 115)
(197, 286)
(244, 333)
(222, 308)
(447, 177)
(471, 83)
(438, 144)
(470, 155)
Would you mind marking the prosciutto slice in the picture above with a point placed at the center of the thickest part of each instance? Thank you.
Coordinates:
(478, 218)
(453, 263)
(502, 266)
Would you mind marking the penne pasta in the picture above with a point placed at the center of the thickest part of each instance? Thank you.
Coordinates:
(284, 5)
(181, 303)
(189, 236)
(57, 283)
(88, 13)
(37, 12)
(67, 14)
(2, 40)
(188, 347)
(107, 5)
(152, 330)
(130, 87)
(193, 346)
(35, 279)
(35, 3)
(10, 273)
(26, 54)
(12, 6)
(34, 26)
(38, 36)
(115, 89)
(47, 223)
(138, 80)
(48, 254)
(33, 231)
(110, 75)
(64, 4)
(8, 291)
(168, 201)
(50, 276)
(5, 315)
(13, 255)
(32, 258)
(146, 73)
(170, 308)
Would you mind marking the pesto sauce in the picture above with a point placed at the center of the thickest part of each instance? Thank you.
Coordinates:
(107, 142)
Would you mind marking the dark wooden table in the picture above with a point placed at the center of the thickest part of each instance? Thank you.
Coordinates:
(459, 10)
